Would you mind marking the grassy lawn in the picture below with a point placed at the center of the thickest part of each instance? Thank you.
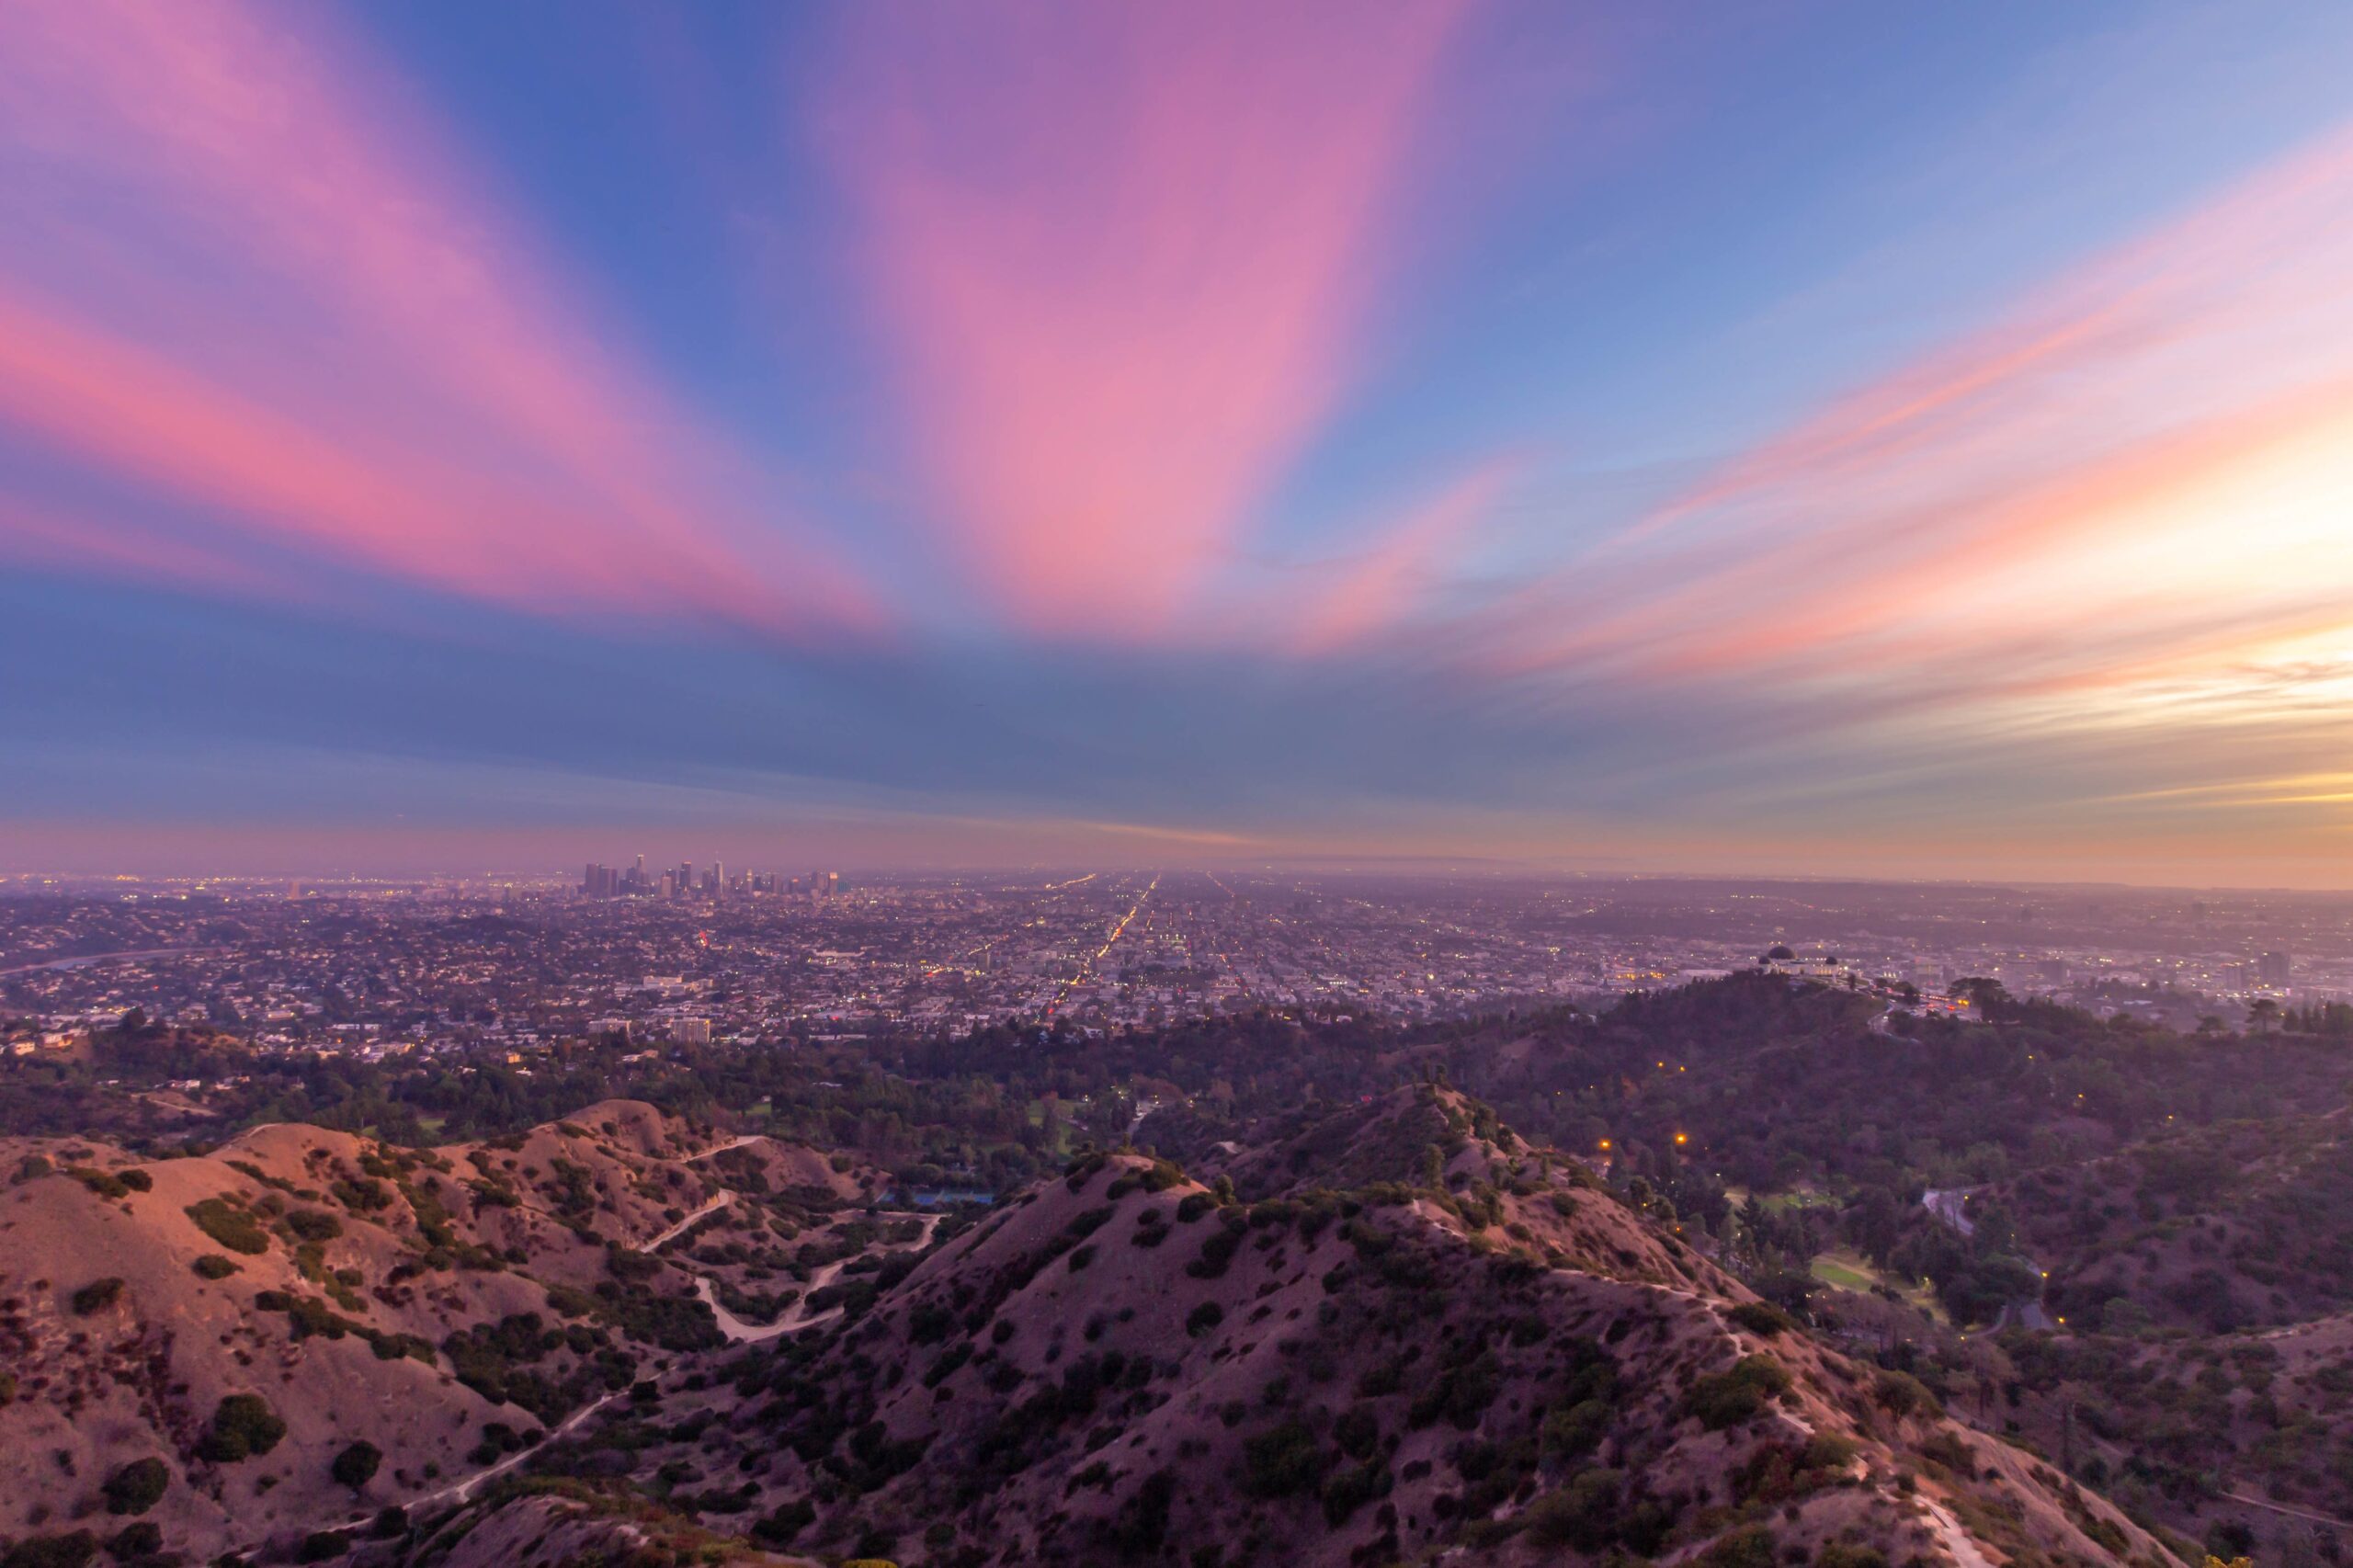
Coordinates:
(1779, 1202)
(1830, 1270)
(1852, 1271)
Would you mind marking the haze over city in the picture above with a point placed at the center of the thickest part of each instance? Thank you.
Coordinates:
(1822, 439)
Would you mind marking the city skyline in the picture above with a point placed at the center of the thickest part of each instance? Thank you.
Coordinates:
(1823, 441)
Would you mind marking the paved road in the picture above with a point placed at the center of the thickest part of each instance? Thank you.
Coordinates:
(1951, 1205)
(86, 960)
(2292, 1512)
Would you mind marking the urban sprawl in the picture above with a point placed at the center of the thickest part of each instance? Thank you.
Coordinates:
(694, 954)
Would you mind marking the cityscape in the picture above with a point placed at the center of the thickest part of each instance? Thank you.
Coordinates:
(691, 955)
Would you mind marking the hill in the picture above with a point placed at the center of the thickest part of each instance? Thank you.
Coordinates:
(1391, 1331)
(1126, 1366)
(246, 1331)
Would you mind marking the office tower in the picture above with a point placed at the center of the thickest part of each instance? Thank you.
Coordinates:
(2273, 968)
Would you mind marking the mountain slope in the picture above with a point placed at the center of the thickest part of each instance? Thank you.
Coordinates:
(1118, 1367)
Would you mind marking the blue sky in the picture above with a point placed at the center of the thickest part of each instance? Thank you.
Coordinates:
(1831, 437)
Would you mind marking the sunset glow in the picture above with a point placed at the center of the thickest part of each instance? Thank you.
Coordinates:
(1222, 433)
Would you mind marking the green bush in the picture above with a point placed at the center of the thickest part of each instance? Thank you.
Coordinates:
(212, 1265)
(1751, 1548)
(1839, 1554)
(1203, 1318)
(1727, 1399)
(314, 1224)
(1357, 1431)
(361, 1193)
(356, 1466)
(230, 1226)
(1761, 1317)
(1281, 1462)
(1900, 1394)
(1584, 1513)
(1347, 1489)
(98, 1182)
(788, 1520)
(243, 1426)
(1572, 1431)
(1217, 1254)
(134, 1541)
(322, 1546)
(96, 1296)
(137, 1486)
(53, 1551)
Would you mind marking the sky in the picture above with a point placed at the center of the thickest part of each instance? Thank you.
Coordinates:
(1795, 437)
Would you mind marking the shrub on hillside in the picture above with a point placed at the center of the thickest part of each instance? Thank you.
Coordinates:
(212, 1265)
(322, 1546)
(1584, 1513)
(1841, 1555)
(361, 1193)
(1727, 1399)
(314, 1224)
(96, 1296)
(134, 1541)
(99, 1182)
(1900, 1394)
(230, 1226)
(53, 1551)
(137, 1486)
(243, 1426)
(1280, 1461)
(1761, 1317)
(356, 1466)
(1217, 1253)
(1750, 1548)
(1351, 1487)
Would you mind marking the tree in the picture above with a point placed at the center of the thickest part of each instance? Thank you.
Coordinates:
(1988, 996)
(2263, 1012)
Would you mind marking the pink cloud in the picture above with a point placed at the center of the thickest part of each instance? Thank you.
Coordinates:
(1383, 585)
(1125, 259)
(324, 327)
(2083, 477)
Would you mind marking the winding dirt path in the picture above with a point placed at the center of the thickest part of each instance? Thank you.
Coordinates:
(798, 1316)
